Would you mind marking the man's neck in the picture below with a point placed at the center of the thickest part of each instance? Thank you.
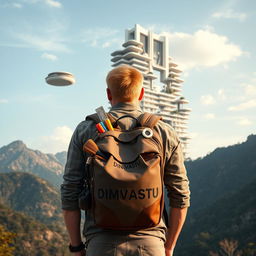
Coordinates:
(134, 102)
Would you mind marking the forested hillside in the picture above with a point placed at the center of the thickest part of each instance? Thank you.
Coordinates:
(33, 238)
(222, 171)
(223, 202)
(31, 195)
(233, 217)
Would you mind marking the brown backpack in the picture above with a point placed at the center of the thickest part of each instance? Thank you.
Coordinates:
(127, 176)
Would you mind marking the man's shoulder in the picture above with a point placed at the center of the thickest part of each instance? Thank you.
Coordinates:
(167, 132)
(165, 126)
(85, 124)
(85, 128)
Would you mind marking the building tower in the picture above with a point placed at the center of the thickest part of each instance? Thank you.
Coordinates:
(149, 53)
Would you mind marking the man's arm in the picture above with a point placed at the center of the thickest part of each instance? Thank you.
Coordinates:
(72, 186)
(72, 220)
(177, 184)
(176, 220)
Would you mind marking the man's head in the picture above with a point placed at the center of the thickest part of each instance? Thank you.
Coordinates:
(124, 85)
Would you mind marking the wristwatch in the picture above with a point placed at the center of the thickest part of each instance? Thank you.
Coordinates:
(77, 248)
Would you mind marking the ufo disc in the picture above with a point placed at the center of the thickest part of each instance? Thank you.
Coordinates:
(60, 79)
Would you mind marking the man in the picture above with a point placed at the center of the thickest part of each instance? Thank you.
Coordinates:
(124, 91)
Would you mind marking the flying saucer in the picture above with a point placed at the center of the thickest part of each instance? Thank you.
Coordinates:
(60, 79)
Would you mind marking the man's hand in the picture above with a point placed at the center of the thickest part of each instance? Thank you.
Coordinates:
(82, 253)
(168, 252)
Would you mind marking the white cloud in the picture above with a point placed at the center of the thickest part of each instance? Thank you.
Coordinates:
(56, 142)
(207, 100)
(53, 3)
(230, 14)
(244, 122)
(209, 116)
(204, 48)
(3, 101)
(249, 89)
(206, 143)
(31, 1)
(221, 94)
(17, 5)
(193, 135)
(43, 43)
(49, 56)
(112, 42)
(185, 74)
(12, 5)
(243, 106)
(101, 37)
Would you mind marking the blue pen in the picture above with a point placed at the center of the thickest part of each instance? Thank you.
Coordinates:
(104, 127)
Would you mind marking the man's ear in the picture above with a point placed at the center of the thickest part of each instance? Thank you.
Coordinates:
(141, 94)
(109, 94)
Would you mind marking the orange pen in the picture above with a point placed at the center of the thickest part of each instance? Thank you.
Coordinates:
(100, 128)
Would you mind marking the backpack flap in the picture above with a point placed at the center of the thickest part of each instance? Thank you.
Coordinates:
(126, 146)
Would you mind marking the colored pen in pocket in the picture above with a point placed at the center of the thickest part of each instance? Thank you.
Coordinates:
(104, 118)
(109, 125)
(100, 128)
(104, 127)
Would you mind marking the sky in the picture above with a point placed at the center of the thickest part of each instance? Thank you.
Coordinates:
(213, 42)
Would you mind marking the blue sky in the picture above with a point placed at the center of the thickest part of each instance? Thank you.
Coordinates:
(213, 41)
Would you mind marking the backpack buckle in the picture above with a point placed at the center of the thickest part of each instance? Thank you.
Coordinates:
(147, 133)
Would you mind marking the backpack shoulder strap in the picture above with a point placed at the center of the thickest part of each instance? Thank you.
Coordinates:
(149, 120)
(93, 117)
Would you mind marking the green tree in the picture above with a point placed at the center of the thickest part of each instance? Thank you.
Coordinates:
(6, 242)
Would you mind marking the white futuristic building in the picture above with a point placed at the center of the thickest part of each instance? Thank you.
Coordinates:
(149, 53)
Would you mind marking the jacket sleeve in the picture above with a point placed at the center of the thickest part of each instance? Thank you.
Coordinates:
(74, 172)
(175, 175)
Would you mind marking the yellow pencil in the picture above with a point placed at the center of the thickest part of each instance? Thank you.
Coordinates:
(109, 125)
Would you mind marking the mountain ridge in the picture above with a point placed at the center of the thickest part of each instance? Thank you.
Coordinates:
(223, 201)
(210, 176)
(17, 157)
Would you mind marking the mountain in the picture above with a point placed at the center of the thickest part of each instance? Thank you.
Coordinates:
(30, 207)
(31, 195)
(33, 238)
(223, 204)
(231, 217)
(16, 157)
(62, 157)
(223, 201)
(223, 171)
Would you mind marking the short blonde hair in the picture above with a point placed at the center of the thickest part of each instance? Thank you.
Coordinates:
(125, 83)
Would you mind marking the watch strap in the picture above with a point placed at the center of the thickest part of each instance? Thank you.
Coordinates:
(77, 248)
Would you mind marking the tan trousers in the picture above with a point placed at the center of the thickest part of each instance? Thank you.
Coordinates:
(112, 245)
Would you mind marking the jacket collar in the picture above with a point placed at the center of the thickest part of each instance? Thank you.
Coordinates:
(126, 106)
